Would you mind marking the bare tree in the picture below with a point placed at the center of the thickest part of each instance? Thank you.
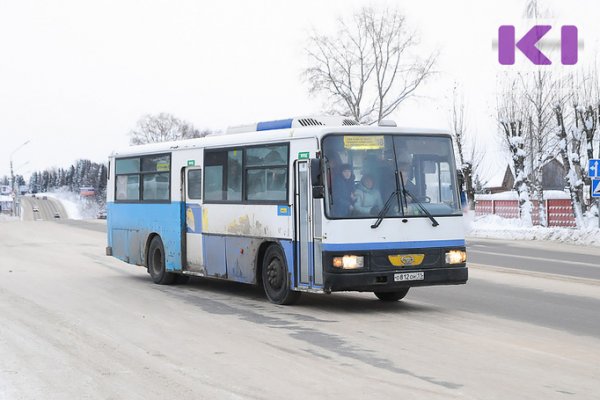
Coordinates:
(163, 127)
(369, 67)
(569, 149)
(586, 94)
(466, 146)
(513, 118)
(539, 91)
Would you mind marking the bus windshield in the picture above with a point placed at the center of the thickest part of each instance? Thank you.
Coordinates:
(364, 171)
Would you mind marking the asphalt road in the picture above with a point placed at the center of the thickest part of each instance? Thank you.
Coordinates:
(42, 208)
(75, 324)
(545, 257)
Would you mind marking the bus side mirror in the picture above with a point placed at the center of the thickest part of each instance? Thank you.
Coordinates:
(316, 178)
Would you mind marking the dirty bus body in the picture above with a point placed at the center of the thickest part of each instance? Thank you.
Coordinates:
(272, 205)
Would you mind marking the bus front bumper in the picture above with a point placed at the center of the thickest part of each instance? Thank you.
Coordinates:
(388, 281)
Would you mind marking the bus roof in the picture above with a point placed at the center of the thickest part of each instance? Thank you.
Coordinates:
(258, 137)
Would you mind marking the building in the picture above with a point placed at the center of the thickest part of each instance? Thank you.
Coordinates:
(6, 204)
(553, 178)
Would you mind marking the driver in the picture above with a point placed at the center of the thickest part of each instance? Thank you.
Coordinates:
(405, 169)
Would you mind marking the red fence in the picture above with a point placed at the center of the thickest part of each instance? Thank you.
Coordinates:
(558, 211)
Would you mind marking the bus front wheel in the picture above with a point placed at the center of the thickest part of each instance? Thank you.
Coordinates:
(392, 296)
(275, 277)
(156, 263)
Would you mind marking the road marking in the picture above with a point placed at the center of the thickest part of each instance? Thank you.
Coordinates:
(537, 274)
(534, 258)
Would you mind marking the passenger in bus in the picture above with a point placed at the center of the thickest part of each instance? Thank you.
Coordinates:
(368, 199)
(343, 192)
(405, 170)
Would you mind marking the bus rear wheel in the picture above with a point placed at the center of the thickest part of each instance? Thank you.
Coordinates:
(392, 296)
(275, 277)
(156, 263)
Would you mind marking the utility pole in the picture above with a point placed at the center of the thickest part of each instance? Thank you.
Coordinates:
(15, 193)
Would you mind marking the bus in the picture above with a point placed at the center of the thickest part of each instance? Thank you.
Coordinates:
(313, 204)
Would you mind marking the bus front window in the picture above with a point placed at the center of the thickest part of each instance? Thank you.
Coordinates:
(363, 172)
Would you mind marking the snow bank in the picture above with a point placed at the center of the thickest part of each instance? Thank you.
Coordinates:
(495, 227)
(512, 195)
(75, 206)
(4, 218)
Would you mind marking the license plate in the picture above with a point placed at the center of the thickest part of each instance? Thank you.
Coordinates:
(409, 276)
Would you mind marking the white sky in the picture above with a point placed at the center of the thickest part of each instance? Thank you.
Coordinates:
(76, 75)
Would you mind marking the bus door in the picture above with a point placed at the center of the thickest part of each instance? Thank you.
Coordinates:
(304, 232)
(193, 219)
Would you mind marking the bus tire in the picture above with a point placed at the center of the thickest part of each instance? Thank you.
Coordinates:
(392, 296)
(156, 263)
(275, 277)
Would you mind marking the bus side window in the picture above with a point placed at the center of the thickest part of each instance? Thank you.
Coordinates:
(234, 175)
(266, 173)
(213, 183)
(194, 184)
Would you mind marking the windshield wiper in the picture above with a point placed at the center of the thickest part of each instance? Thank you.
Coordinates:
(385, 209)
(422, 207)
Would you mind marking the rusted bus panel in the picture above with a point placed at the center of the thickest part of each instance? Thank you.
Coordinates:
(242, 258)
(215, 262)
(259, 220)
(119, 240)
(132, 224)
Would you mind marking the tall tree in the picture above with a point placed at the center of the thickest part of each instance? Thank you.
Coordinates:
(513, 118)
(369, 67)
(163, 127)
(570, 141)
(539, 91)
(466, 146)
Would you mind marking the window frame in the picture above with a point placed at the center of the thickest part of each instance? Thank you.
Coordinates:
(187, 180)
(244, 168)
(141, 174)
(326, 210)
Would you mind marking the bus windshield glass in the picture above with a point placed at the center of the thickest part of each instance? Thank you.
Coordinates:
(364, 171)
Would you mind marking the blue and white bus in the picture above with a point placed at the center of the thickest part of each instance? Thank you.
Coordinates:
(317, 204)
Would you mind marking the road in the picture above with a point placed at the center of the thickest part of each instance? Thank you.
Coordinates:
(41, 208)
(79, 325)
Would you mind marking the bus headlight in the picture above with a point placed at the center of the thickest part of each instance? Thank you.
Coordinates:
(456, 257)
(349, 262)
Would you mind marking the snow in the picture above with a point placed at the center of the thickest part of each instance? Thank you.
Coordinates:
(76, 207)
(4, 218)
(555, 195)
(511, 195)
(574, 157)
(516, 141)
(562, 144)
(495, 227)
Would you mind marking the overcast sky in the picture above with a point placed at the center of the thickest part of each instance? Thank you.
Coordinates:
(76, 75)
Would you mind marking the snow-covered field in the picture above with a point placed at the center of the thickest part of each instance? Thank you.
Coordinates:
(493, 226)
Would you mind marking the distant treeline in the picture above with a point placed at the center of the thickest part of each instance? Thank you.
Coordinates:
(84, 173)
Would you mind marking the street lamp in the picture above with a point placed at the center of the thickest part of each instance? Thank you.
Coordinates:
(12, 176)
